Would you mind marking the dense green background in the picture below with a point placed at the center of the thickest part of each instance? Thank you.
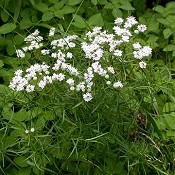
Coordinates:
(131, 134)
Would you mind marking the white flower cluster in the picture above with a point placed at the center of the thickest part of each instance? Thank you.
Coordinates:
(33, 42)
(102, 50)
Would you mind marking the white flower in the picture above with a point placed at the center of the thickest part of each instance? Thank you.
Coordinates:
(118, 84)
(70, 81)
(26, 131)
(61, 77)
(136, 31)
(147, 50)
(20, 53)
(72, 88)
(142, 64)
(32, 130)
(87, 97)
(125, 38)
(30, 88)
(108, 82)
(42, 84)
(80, 86)
(136, 45)
(130, 21)
(141, 28)
(111, 70)
(118, 21)
(18, 72)
(107, 76)
(118, 53)
(54, 55)
(52, 32)
(45, 52)
(69, 55)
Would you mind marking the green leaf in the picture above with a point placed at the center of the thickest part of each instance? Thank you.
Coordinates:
(4, 16)
(1, 64)
(170, 120)
(126, 5)
(159, 9)
(7, 28)
(10, 49)
(21, 161)
(170, 133)
(109, 6)
(58, 5)
(163, 21)
(40, 123)
(21, 115)
(17, 10)
(67, 9)
(170, 47)
(18, 39)
(25, 23)
(24, 171)
(117, 13)
(47, 16)
(95, 2)
(169, 107)
(74, 2)
(96, 20)
(42, 7)
(58, 13)
(53, 1)
(103, 2)
(79, 22)
(167, 33)
(173, 53)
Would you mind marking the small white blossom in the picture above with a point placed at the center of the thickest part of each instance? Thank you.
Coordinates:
(141, 28)
(26, 131)
(80, 86)
(69, 55)
(118, 21)
(111, 70)
(18, 72)
(20, 53)
(108, 82)
(30, 88)
(142, 64)
(118, 53)
(45, 52)
(70, 81)
(72, 88)
(32, 130)
(130, 21)
(52, 32)
(136, 45)
(87, 97)
(118, 84)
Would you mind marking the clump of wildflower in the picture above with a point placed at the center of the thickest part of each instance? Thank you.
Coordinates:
(102, 50)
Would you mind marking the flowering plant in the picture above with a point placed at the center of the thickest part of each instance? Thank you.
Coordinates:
(79, 62)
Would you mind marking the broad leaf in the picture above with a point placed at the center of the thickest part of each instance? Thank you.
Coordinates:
(74, 2)
(47, 16)
(96, 20)
(42, 7)
(79, 22)
(7, 28)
